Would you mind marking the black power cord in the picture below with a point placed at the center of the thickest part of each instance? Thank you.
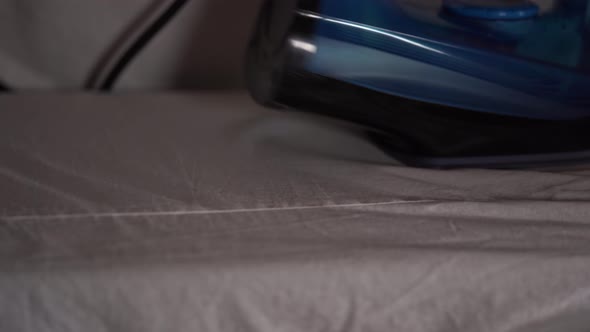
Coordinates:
(133, 50)
(144, 38)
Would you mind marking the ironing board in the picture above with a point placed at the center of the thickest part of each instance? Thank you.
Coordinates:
(205, 212)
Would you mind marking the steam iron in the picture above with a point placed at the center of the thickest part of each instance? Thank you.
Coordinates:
(439, 83)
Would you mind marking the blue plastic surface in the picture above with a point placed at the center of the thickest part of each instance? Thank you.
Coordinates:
(492, 10)
(532, 68)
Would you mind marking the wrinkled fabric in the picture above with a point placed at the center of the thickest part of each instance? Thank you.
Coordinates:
(205, 212)
(63, 44)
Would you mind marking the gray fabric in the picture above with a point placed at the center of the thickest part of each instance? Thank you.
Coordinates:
(205, 212)
(60, 43)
